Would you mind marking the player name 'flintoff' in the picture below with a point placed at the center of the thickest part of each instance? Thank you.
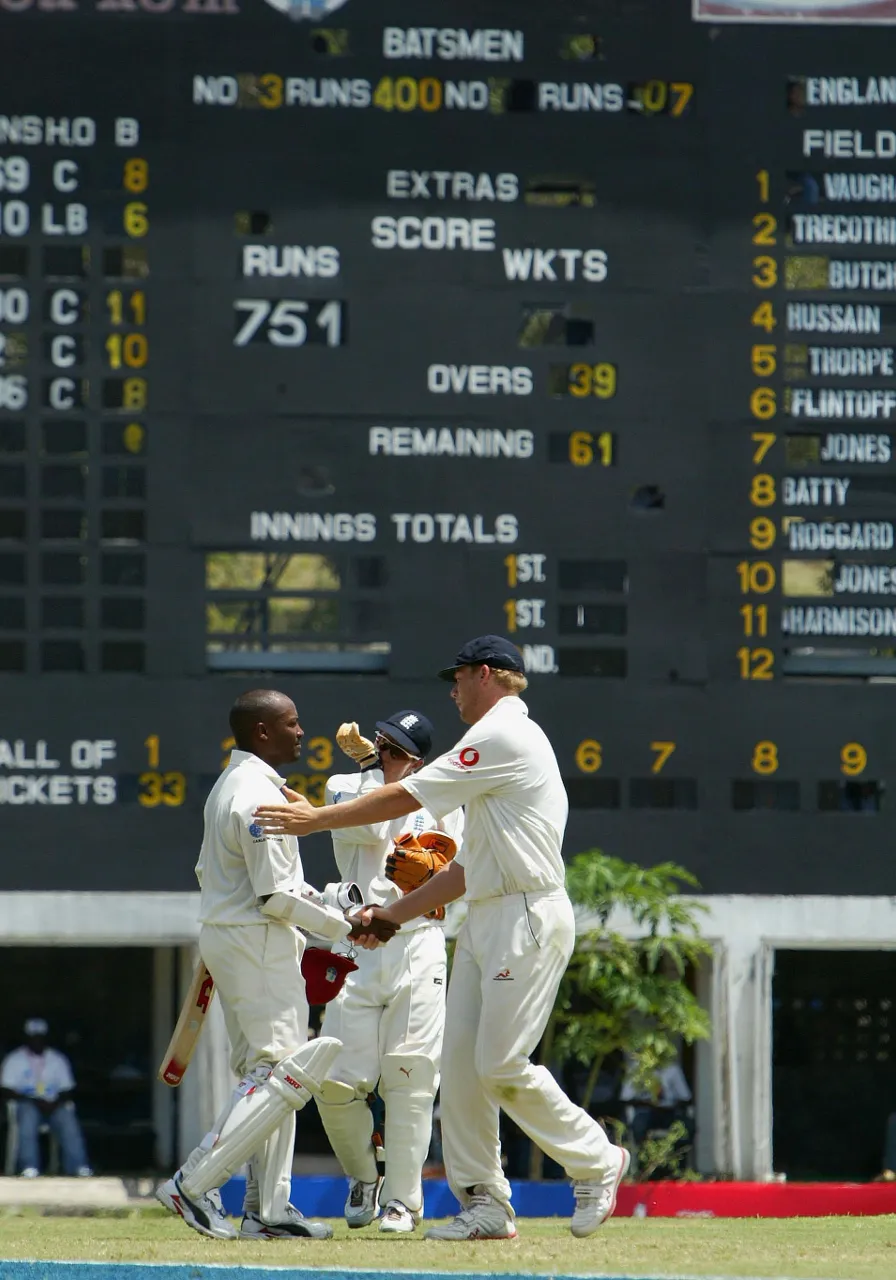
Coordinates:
(806, 402)
(450, 442)
(485, 44)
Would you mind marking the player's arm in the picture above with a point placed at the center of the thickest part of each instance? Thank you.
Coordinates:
(342, 789)
(445, 886)
(299, 818)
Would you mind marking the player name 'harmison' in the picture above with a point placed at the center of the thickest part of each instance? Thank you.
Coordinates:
(833, 317)
(829, 620)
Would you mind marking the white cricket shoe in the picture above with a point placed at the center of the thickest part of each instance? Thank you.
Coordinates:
(363, 1203)
(484, 1218)
(294, 1226)
(596, 1200)
(204, 1214)
(30, 1172)
(398, 1219)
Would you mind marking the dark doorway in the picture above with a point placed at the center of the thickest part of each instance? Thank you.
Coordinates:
(833, 1062)
(98, 1003)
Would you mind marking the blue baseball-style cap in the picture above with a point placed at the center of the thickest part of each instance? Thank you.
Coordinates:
(409, 730)
(493, 651)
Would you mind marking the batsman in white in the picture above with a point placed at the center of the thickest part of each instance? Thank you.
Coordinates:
(254, 910)
(511, 952)
(390, 1014)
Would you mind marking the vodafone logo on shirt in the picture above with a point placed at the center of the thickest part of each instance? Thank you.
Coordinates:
(467, 758)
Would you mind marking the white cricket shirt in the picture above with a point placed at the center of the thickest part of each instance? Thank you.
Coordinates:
(39, 1075)
(361, 852)
(238, 863)
(505, 772)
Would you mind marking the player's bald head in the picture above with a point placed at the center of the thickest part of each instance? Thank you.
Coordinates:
(255, 708)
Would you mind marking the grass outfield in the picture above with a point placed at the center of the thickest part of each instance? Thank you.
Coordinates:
(820, 1248)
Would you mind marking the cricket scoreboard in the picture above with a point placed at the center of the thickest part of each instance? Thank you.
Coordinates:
(333, 334)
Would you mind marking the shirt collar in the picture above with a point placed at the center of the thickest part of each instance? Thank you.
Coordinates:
(511, 703)
(249, 758)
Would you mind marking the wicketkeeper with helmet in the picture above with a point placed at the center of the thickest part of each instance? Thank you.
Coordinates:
(390, 1014)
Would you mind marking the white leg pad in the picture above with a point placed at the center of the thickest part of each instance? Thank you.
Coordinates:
(408, 1085)
(275, 1179)
(290, 1085)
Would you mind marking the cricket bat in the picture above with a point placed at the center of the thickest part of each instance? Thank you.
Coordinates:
(189, 1027)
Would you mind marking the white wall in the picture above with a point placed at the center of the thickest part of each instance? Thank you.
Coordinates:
(733, 1086)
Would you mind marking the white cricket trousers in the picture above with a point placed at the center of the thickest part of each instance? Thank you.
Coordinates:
(390, 1017)
(258, 977)
(511, 954)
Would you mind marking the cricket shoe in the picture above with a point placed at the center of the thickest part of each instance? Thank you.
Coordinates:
(398, 1219)
(596, 1200)
(484, 1218)
(363, 1203)
(204, 1214)
(293, 1227)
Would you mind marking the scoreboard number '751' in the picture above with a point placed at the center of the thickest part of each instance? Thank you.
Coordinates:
(288, 322)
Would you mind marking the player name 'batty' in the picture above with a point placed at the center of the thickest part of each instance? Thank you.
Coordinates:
(814, 491)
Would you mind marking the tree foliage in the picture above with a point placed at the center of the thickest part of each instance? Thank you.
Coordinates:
(621, 993)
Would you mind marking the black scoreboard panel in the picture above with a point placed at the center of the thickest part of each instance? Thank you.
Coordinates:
(332, 335)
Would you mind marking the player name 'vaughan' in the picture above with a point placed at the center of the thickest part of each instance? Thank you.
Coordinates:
(828, 620)
(485, 44)
(860, 188)
(450, 442)
(827, 402)
(814, 491)
(842, 228)
(832, 317)
(849, 91)
(840, 535)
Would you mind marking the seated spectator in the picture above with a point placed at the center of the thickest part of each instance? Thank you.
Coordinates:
(658, 1105)
(39, 1083)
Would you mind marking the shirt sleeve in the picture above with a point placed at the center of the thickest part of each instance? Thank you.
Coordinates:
(343, 787)
(481, 764)
(271, 860)
(9, 1074)
(63, 1076)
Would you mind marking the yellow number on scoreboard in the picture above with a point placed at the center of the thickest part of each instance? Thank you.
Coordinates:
(589, 756)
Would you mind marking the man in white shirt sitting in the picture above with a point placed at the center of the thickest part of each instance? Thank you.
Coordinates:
(39, 1082)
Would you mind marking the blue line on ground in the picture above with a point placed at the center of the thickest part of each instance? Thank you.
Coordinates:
(26, 1270)
(324, 1197)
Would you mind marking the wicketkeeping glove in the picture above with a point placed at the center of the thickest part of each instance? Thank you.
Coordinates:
(416, 859)
(354, 744)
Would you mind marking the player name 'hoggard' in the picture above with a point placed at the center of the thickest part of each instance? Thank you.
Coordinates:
(840, 535)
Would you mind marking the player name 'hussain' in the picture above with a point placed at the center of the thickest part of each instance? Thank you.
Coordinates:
(833, 317)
